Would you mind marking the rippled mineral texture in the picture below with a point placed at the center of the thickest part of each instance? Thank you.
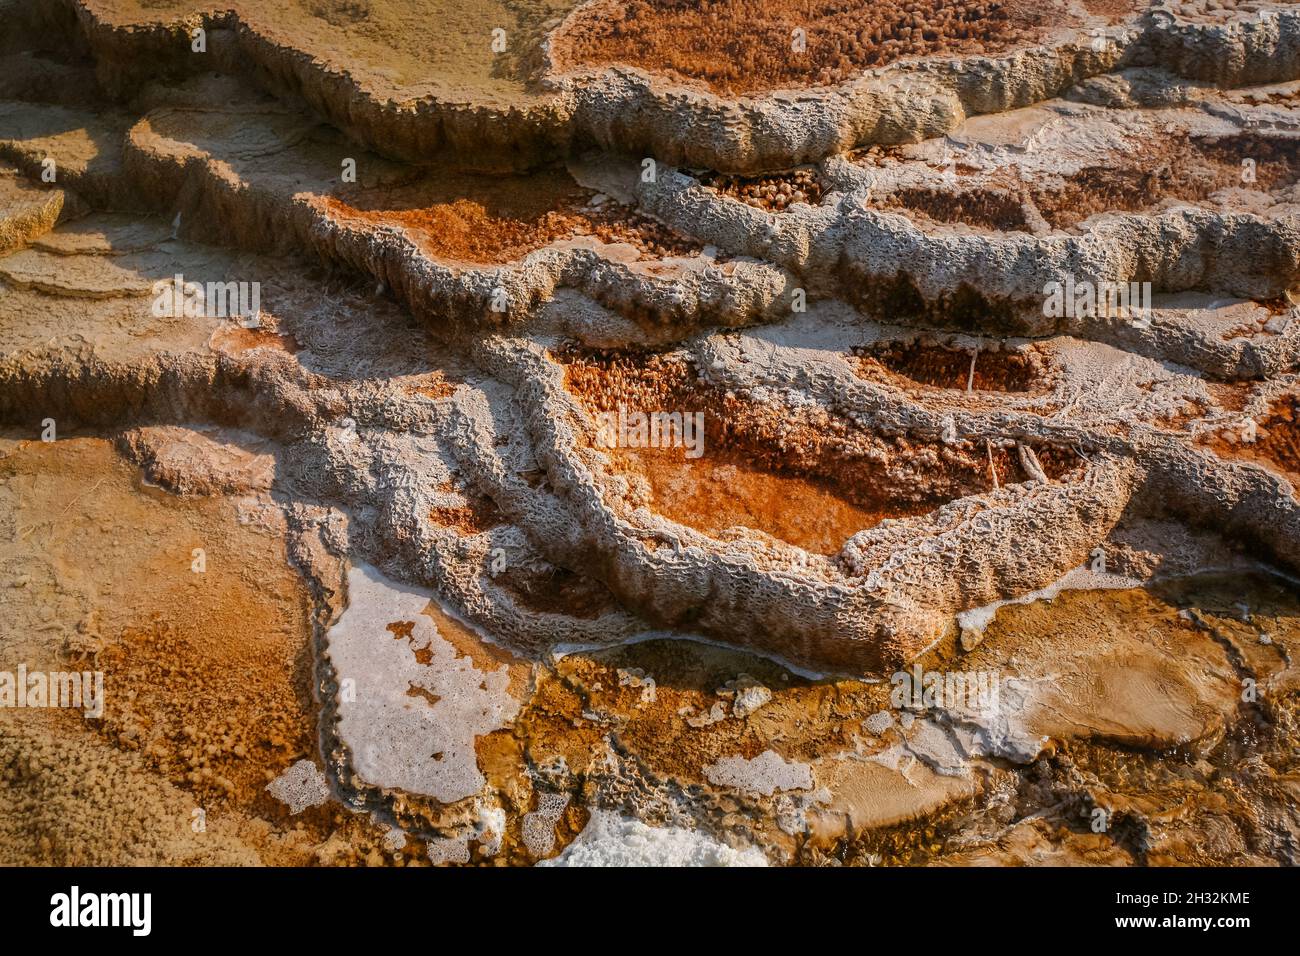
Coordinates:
(596, 432)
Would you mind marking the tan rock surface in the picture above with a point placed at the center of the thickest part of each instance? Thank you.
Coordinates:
(339, 482)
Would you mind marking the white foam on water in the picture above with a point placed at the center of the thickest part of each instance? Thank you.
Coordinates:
(410, 725)
(977, 619)
(300, 786)
(613, 840)
(765, 774)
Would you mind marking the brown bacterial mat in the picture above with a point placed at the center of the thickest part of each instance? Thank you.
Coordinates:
(1277, 440)
(1185, 168)
(810, 480)
(939, 366)
(466, 217)
(747, 46)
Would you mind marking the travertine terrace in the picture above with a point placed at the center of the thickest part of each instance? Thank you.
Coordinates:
(569, 430)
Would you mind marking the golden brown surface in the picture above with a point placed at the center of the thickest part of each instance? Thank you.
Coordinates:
(745, 46)
(409, 45)
(492, 219)
(207, 676)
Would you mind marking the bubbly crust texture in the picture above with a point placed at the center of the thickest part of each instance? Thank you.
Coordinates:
(650, 433)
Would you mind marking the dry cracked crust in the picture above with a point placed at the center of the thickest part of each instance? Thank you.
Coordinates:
(364, 578)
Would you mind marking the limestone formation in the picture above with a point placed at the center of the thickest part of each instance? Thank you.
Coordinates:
(574, 445)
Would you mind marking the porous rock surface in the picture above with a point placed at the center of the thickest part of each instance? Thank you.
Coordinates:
(895, 430)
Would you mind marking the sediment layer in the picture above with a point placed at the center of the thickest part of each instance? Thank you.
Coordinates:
(472, 282)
